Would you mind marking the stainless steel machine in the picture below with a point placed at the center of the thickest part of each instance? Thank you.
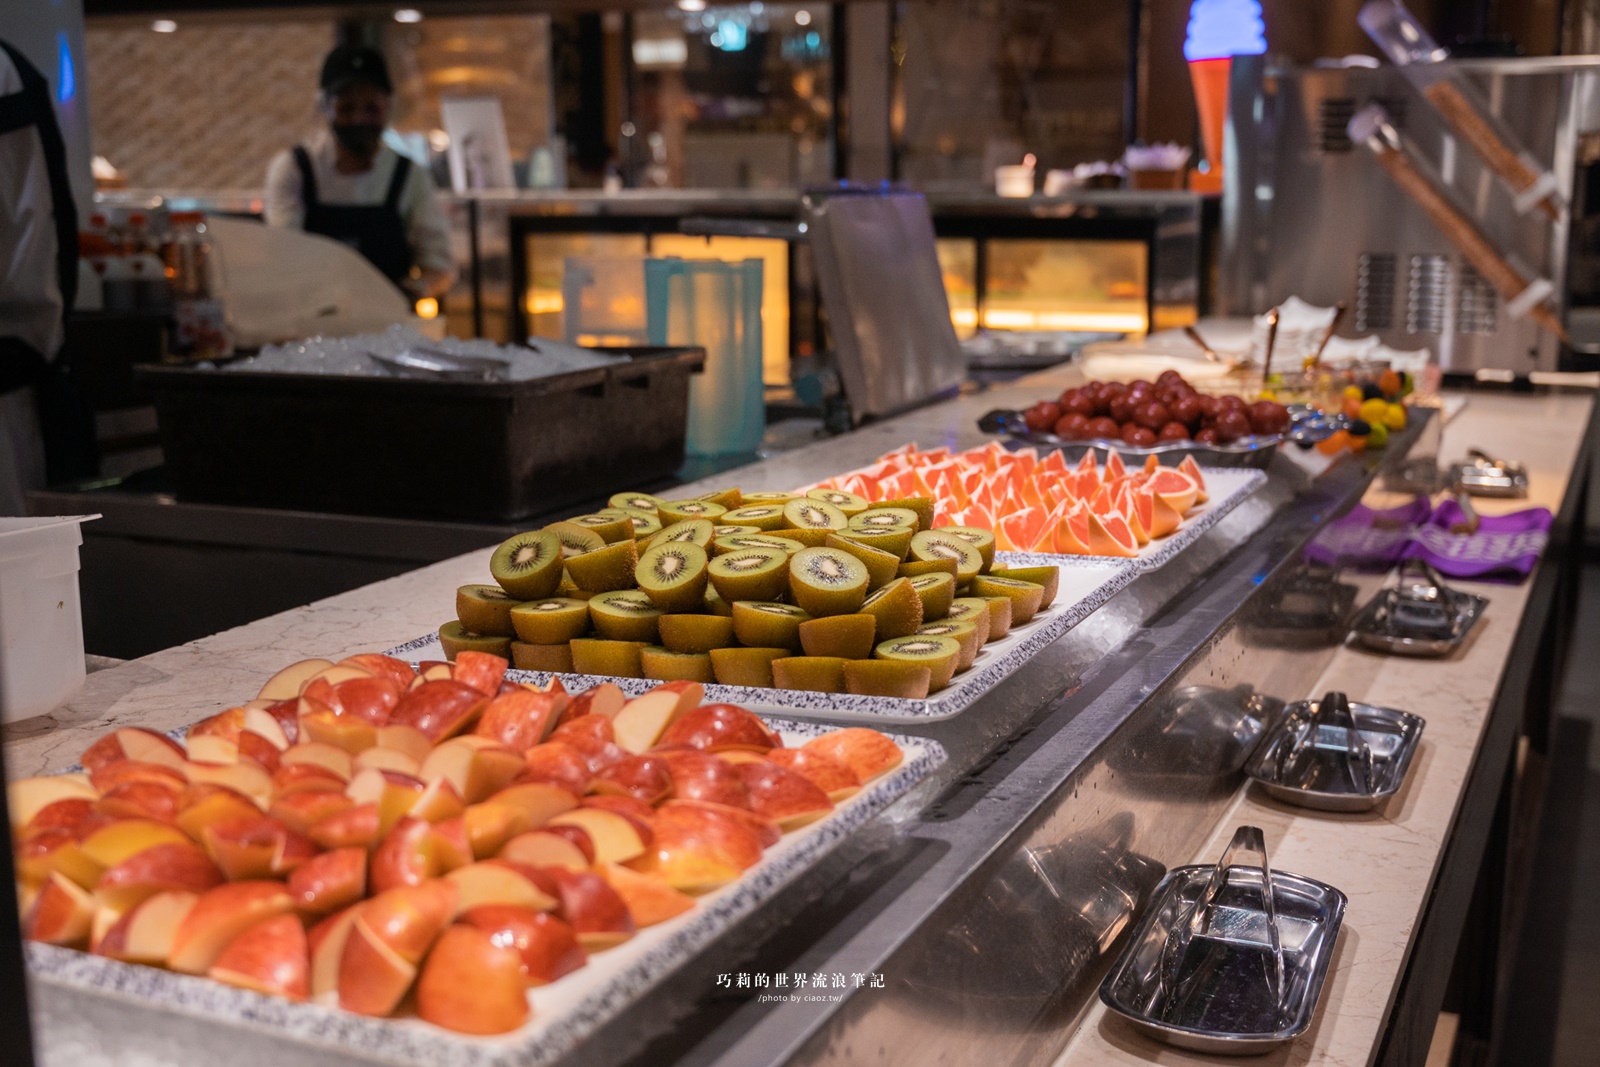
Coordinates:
(1309, 212)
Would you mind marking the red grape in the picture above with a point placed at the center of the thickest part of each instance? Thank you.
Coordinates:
(1141, 438)
(1232, 425)
(1122, 406)
(1173, 431)
(1187, 410)
(1072, 427)
(1042, 416)
(1152, 416)
(1105, 427)
(1268, 417)
(1079, 403)
(1207, 436)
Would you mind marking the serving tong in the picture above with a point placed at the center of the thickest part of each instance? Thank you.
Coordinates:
(1336, 755)
(443, 364)
(1304, 724)
(1484, 475)
(1419, 615)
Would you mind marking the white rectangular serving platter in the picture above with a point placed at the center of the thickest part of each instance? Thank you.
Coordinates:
(564, 1012)
(1086, 583)
(1226, 489)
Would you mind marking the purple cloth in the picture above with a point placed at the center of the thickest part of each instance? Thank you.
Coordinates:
(1505, 547)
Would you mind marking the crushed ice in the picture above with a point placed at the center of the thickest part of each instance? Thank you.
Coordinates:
(353, 355)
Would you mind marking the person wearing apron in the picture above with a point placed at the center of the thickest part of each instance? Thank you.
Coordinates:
(347, 185)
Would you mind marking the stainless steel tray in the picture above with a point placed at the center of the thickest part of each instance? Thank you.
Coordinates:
(1484, 475)
(1421, 616)
(1228, 959)
(1335, 755)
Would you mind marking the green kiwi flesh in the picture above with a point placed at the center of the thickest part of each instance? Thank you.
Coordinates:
(849, 503)
(939, 654)
(1047, 578)
(674, 575)
(1025, 597)
(882, 567)
(977, 537)
(937, 591)
(750, 574)
(609, 568)
(936, 545)
(485, 609)
(694, 531)
(528, 566)
(624, 615)
(809, 514)
(827, 581)
(966, 635)
(575, 540)
(611, 528)
(768, 624)
(455, 638)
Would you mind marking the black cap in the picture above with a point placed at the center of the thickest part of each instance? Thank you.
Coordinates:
(351, 64)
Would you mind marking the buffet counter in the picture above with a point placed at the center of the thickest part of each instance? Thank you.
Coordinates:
(991, 896)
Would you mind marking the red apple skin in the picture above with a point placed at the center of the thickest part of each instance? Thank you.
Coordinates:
(778, 793)
(408, 919)
(473, 984)
(642, 814)
(372, 699)
(518, 719)
(287, 712)
(592, 735)
(329, 882)
(270, 957)
(826, 773)
(302, 811)
(605, 699)
(439, 709)
(715, 727)
(397, 671)
(108, 749)
(646, 778)
(254, 747)
(174, 865)
(558, 762)
(122, 771)
(357, 826)
(576, 834)
(765, 830)
(866, 752)
(697, 828)
(481, 671)
(404, 857)
(292, 778)
(699, 776)
(587, 902)
(68, 814)
(547, 945)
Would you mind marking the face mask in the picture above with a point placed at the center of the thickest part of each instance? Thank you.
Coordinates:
(359, 138)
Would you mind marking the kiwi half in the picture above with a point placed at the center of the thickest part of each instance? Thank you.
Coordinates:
(681, 510)
(745, 666)
(644, 524)
(882, 567)
(624, 615)
(756, 540)
(808, 514)
(454, 638)
(768, 624)
(1047, 578)
(965, 633)
(575, 540)
(727, 498)
(1000, 608)
(728, 529)
(609, 568)
(920, 506)
(937, 592)
(887, 678)
(849, 503)
(929, 545)
(694, 531)
(715, 605)
(883, 517)
(637, 502)
(761, 516)
(827, 581)
(750, 574)
(667, 666)
(916, 568)
(845, 636)
(550, 622)
(897, 607)
(695, 633)
(895, 540)
(767, 496)
(674, 575)
(821, 674)
(808, 537)
(939, 654)
(611, 528)
(485, 609)
(554, 658)
(977, 537)
(620, 659)
(973, 609)
(528, 566)
(1025, 597)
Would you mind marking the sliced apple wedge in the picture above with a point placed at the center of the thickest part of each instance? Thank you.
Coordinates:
(25, 796)
(286, 684)
(144, 934)
(219, 916)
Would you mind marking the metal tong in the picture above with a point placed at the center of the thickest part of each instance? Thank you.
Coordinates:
(1422, 600)
(445, 364)
(1303, 724)
(1172, 989)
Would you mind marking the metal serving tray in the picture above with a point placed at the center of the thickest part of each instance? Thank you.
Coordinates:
(1228, 959)
(1335, 755)
(1254, 451)
(1421, 616)
(1484, 475)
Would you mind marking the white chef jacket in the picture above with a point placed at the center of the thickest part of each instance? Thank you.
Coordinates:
(426, 230)
(30, 292)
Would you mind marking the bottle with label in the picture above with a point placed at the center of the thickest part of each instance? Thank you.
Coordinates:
(201, 320)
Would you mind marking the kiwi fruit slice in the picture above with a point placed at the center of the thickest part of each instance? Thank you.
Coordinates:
(681, 510)
(896, 540)
(808, 538)
(768, 496)
(716, 605)
(528, 566)
(485, 609)
(612, 528)
(883, 517)
(1000, 608)
(920, 506)
(694, 531)
(937, 592)
(761, 516)
(849, 503)
(845, 636)
(973, 609)
(695, 633)
(750, 574)
(728, 529)
(808, 514)
(916, 568)
(768, 624)
(569, 590)
(977, 537)
(667, 666)
(674, 575)
(939, 654)
(827, 581)
(882, 567)
(557, 659)
(575, 540)
(887, 678)
(609, 568)
(727, 498)
(745, 666)
(929, 545)
(636, 502)
(550, 622)
(454, 638)
(1047, 578)
(821, 674)
(897, 607)
(620, 659)
(756, 540)
(624, 615)
(644, 525)
(966, 635)
(1025, 596)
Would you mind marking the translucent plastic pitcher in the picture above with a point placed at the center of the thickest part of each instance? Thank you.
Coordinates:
(716, 305)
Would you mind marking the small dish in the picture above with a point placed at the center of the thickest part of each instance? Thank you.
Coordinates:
(1420, 616)
(1333, 755)
(1484, 475)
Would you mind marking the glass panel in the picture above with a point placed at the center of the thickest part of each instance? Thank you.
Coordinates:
(546, 256)
(958, 262)
(774, 256)
(1066, 285)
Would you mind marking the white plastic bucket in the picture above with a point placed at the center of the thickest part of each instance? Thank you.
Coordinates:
(41, 619)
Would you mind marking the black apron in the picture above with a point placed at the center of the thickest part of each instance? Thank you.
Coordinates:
(377, 231)
(64, 418)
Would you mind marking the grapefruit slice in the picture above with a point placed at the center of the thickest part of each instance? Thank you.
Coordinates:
(1140, 536)
(1114, 467)
(1175, 486)
(1069, 541)
(1053, 464)
(1110, 536)
(1164, 520)
(1192, 469)
(1151, 464)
